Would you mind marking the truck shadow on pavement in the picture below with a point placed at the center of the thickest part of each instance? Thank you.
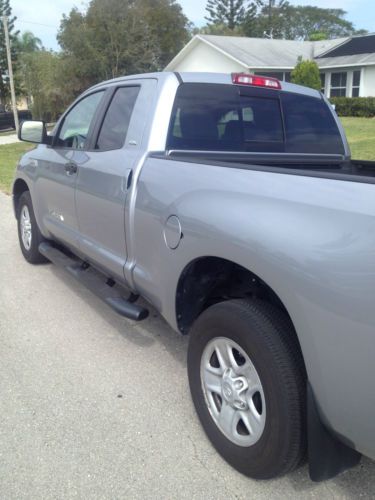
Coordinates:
(354, 483)
(144, 333)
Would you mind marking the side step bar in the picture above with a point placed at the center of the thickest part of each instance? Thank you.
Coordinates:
(93, 280)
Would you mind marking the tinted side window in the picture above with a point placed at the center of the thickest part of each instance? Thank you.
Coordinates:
(76, 124)
(116, 122)
(220, 117)
(309, 126)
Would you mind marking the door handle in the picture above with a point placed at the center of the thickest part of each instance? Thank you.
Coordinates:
(126, 180)
(129, 178)
(71, 168)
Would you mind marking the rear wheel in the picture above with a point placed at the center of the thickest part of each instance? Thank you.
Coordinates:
(247, 382)
(28, 232)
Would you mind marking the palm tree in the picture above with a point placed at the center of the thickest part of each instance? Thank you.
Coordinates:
(27, 47)
(28, 42)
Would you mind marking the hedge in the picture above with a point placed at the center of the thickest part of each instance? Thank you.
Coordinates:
(354, 106)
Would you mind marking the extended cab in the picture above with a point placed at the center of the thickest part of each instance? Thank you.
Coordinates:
(231, 204)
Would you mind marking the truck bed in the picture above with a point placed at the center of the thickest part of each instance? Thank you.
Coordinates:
(325, 166)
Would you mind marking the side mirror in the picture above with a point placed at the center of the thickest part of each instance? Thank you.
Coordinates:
(34, 131)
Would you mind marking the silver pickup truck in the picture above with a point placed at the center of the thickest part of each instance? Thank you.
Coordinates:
(231, 204)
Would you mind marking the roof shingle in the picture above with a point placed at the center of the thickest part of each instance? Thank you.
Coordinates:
(266, 53)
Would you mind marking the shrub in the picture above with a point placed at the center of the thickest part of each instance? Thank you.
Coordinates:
(306, 73)
(354, 106)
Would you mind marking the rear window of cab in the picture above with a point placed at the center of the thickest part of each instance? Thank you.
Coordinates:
(217, 117)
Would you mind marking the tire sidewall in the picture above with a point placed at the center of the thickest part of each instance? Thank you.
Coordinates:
(32, 254)
(262, 459)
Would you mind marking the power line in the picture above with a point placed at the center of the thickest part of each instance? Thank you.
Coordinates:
(38, 24)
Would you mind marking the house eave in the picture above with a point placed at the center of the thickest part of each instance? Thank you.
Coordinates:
(356, 65)
(271, 68)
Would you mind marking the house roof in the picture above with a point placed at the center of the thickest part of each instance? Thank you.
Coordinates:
(362, 44)
(265, 53)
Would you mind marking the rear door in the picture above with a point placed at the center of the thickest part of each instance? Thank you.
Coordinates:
(105, 175)
(58, 169)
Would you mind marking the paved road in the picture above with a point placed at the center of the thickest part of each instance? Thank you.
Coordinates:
(8, 139)
(94, 406)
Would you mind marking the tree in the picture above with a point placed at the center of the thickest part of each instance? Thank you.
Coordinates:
(27, 42)
(302, 22)
(271, 18)
(119, 37)
(217, 29)
(279, 19)
(317, 36)
(306, 73)
(248, 25)
(228, 13)
(6, 10)
(276, 19)
(43, 74)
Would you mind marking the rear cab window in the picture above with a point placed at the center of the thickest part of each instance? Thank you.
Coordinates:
(309, 125)
(217, 117)
(116, 121)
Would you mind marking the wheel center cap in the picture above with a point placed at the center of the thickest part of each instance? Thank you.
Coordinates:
(234, 389)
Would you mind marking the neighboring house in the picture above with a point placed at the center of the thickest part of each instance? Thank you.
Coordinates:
(347, 65)
(22, 103)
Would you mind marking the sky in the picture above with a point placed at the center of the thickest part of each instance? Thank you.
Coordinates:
(42, 17)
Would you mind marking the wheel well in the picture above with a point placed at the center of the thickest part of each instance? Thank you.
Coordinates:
(209, 280)
(19, 187)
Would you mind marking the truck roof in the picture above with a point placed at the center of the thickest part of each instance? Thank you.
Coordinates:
(198, 77)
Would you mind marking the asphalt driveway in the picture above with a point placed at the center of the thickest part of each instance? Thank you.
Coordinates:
(95, 406)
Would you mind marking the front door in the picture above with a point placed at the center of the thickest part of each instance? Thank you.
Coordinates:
(58, 170)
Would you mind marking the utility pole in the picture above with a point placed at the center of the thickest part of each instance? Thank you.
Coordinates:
(10, 71)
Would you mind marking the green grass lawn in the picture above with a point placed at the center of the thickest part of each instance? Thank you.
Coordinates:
(360, 133)
(361, 136)
(9, 156)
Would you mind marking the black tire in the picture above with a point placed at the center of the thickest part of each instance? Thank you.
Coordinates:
(267, 336)
(31, 254)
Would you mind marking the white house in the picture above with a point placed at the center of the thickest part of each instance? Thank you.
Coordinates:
(347, 64)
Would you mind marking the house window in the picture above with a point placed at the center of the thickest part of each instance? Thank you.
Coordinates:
(283, 77)
(338, 84)
(287, 76)
(322, 82)
(356, 83)
(277, 75)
